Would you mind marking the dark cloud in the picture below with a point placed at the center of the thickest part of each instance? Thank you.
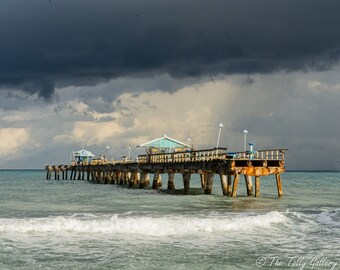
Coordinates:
(48, 44)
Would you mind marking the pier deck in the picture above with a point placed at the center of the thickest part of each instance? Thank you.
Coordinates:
(206, 163)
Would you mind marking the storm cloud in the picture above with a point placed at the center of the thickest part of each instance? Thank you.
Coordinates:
(60, 43)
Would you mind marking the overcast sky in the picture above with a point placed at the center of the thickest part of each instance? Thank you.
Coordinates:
(120, 73)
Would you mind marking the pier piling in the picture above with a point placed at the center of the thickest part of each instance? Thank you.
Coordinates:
(143, 177)
(235, 185)
(229, 190)
(279, 185)
(257, 186)
(156, 179)
(203, 182)
(224, 184)
(171, 184)
(249, 185)
(186, 182)
(209, 178)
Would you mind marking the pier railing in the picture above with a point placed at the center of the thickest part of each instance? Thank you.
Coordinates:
(197, 156)
(189, 156)
(212, 154)
(268, 154)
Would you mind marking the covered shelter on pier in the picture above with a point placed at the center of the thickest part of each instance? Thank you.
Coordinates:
(164, 144)
(82, 156)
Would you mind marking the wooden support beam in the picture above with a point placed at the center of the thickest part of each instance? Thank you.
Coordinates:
(143, 177)
(103, 176)
(249, 184)
(126, 178)
(121, 178)
(118, 178)
(98, 176)
(115, 177)
(88, 174)
(157, 180)
(224, 184)
(186, 182)
(107, 176)
(257, 186)
(203, 180)
(209, 180)
(136, 177)
(235, 184)
(171, 183)
(104, 179)
(111, 177)
(133, 181)
(66, 173)
(89, 171)
(279, 185)
(147, 180)
(229, 190)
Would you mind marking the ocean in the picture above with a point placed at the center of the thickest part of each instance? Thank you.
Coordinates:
(71, 224)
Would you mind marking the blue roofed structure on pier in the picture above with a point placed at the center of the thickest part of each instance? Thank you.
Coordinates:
(82, 156)
(164, 144)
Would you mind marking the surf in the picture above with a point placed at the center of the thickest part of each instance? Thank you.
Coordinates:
(142, 225)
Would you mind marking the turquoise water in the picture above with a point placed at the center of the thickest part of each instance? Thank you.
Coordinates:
(49, 224)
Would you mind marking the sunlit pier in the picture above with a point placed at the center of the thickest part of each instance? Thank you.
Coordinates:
(146, 170)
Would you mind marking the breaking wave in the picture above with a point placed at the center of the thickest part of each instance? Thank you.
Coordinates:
(155, 226)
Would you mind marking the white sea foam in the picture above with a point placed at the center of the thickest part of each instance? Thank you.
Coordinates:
(155, 226)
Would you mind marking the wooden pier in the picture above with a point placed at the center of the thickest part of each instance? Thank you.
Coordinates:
(207, 163)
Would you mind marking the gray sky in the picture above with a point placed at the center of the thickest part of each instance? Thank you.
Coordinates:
(119, 73)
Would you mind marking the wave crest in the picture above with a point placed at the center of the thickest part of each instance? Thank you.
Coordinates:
(153, 226)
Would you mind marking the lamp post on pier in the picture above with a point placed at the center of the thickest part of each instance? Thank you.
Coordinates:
(219, 134)
(129, 155)
(245, 132)
(107, 153)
